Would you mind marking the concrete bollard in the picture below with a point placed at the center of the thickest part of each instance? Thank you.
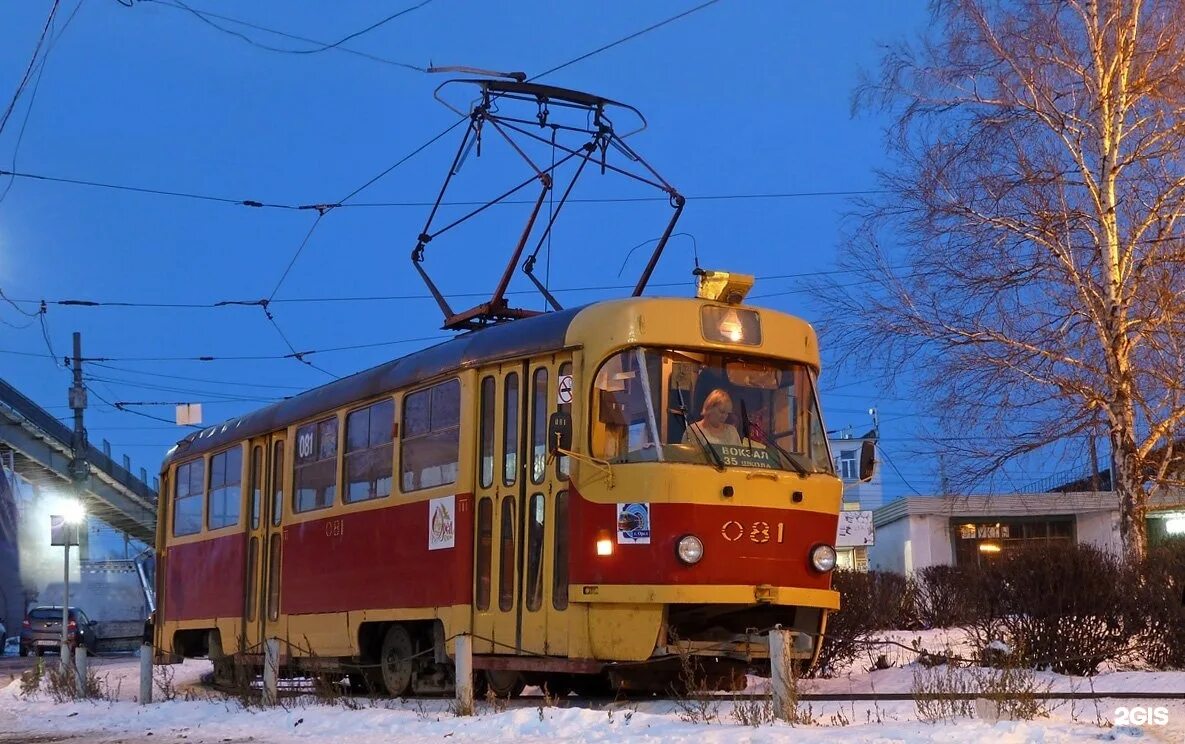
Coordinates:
(782, 682)
(145, 673)
(271, 671)
(464, 675)
(80, 665)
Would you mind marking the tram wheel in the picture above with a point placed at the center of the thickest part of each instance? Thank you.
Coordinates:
(396, 660)
(504, 683)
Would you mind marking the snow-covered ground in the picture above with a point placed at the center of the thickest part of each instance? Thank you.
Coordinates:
(198, 715)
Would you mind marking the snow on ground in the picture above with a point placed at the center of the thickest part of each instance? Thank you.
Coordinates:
(199, 715)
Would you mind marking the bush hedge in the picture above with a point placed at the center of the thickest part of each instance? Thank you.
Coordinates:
(1065, 607)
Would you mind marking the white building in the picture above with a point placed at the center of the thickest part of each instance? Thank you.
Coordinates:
(916, 532)
(856, 533)
(845, 448)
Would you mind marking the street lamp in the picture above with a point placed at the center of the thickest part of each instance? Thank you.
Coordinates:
(64, 532)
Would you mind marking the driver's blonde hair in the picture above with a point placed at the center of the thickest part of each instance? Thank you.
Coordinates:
(716, 398)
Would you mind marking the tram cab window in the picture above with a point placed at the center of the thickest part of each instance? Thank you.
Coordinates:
(431, 437)
(226, 496)
(368, 452)
(188, 489)
(710, 408)
(315, 472)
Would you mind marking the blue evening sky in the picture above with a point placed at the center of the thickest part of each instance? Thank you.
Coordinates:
(742, 98)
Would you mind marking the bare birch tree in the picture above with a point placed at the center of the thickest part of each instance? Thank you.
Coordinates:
(1025, 261)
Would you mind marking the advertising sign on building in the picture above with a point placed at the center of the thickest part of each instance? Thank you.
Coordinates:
(855, 529)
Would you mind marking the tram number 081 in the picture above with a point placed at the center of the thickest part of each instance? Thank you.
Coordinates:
(304, 445)
(757, 532)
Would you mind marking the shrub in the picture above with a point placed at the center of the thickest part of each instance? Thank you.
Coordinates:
(1058, 606)
(1160, 608)
(940, 596)
(870, 601)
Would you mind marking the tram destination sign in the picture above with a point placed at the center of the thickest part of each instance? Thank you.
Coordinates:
(746, 457)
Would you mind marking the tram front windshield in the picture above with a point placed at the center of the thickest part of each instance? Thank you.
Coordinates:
(711, 408)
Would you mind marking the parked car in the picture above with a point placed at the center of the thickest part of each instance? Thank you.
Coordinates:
(42, 629)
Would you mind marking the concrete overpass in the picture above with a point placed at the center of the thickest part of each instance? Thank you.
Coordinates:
(40, 447)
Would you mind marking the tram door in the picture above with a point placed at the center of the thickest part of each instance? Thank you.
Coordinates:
(265, 506)
(542, 626)
(517, 486)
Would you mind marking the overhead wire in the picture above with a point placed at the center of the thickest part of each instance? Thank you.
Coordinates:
(624, 39)
(85, 303)
(119, 407)
(327, 206)
(20, 137)
(205, 16)
(24, 81)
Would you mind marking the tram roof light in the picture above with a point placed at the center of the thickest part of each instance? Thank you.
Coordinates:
(722, 286)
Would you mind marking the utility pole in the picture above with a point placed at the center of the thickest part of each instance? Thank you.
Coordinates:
(79, 473)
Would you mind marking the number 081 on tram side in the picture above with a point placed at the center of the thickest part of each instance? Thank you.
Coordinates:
(591, 494)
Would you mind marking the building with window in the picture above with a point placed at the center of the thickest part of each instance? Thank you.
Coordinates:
(916, 532)
(856, 533)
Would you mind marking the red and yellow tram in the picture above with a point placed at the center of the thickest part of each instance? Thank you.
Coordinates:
(591, 494)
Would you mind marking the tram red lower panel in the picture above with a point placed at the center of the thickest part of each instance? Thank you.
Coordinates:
(204, 579)
(742, 545)
(376, 559)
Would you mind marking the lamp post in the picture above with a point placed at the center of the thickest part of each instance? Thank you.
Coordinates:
(73, 514)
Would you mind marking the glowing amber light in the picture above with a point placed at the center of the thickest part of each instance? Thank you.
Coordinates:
(604, 543)
(989, 548)
(731, 328)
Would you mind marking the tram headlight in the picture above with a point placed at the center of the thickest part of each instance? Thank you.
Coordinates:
(690, 549)
(823, 558)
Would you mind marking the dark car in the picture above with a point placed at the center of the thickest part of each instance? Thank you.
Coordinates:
(42, 629)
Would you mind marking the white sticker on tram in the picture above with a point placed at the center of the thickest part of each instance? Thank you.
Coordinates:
(442, 531)
(563, 392)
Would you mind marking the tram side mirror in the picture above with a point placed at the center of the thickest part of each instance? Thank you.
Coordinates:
(559, 432)
(867, 460)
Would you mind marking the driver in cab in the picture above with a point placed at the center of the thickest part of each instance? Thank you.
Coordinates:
(713, 425)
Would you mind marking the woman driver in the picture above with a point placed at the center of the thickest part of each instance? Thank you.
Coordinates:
(713, 424)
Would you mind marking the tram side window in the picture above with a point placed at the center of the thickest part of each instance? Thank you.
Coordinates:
(535, 553)
(315, 470)
(226, 488)
(486, 448)
(188, 491)
(510, 415)
(506, 557)
(278, 483)
(539, 406)
(559, 574)
(369, 451)
(256, 484)
(431, 436)
(485, 549)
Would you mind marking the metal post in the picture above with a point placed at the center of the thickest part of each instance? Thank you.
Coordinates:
(78, 474)
(80, 662)
(145, 673)
(64, 649)
(464, 664)
(782, 682)
(271, 671)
